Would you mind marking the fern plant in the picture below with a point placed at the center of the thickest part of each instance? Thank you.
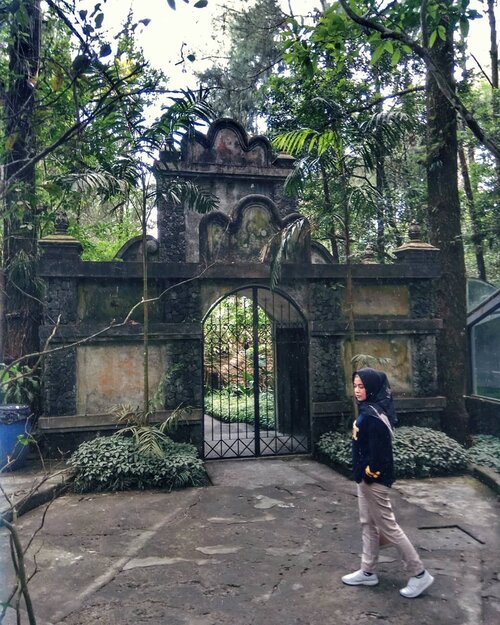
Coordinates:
(150, 439)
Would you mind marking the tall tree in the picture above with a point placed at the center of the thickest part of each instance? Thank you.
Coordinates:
(21, 308)
(436, 49)
(49, 102)
(445, 228)
(424, 31)
(235, 84)
(495, 96)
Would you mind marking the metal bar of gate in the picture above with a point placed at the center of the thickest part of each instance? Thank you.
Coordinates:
(255, 341)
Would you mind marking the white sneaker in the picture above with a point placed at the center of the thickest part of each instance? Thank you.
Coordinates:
(417, 585)
(360, 578)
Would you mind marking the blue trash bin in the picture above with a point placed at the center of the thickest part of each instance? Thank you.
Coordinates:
(14, 421)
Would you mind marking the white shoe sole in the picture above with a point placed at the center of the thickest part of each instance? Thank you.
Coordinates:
(413, 595)
(368, 582)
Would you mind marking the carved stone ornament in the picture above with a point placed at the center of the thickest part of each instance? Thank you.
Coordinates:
(61, 223)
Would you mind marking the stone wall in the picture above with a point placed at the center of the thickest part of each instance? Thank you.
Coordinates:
(81, 383)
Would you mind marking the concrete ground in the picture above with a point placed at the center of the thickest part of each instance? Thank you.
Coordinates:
(266, 543)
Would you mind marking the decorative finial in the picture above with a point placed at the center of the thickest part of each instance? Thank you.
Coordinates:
(151, 247)
(61, 223)
(414, 231)
(369, 255)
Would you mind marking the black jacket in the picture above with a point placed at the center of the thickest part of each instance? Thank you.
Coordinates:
(372, 451)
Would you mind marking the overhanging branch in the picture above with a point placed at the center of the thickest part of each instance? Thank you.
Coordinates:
(444, 86)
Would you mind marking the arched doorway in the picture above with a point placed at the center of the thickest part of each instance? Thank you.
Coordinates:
(255, 364)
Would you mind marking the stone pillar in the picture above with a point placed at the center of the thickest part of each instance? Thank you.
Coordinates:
(171, 220)
(60, 251)
(422, 306)
(415, 250)
(60, 255)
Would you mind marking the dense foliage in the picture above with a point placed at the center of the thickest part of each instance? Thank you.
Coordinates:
(114, 463)
(485, 451)
(236, 83)
(233, 408)
(418, 452)
(18, 385)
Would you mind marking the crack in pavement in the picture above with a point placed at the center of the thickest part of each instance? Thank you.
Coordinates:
(108, 576)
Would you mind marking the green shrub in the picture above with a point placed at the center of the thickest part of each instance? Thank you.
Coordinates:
(418, 452)
(423, 452)
(114, 463)
(336, 447)
(232, 408)
(485, 451)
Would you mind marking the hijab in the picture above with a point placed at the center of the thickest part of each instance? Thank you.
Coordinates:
(378, 402)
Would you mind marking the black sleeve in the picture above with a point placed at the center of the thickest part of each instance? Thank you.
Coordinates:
(380, 446)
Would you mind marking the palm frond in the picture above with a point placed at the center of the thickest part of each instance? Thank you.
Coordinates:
(186, 113)
(303, 168)
(190, 195)
(367, 360)
(294, 141)
(171, 423)
(151, 441)
(283, 245)
(308, 140)
(129, 415)
(93, 181)
(382, 133)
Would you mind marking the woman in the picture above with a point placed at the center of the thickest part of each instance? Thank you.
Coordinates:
(373, 465)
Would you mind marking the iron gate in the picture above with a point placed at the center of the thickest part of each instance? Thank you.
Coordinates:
(255, 377)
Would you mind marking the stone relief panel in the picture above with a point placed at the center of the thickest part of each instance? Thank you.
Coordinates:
(227, 143)
(396, 353)
(254, 232)
(245, 236)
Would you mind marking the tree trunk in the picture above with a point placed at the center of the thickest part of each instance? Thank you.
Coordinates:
(22, 309)
(330, 211)
(444, 222)
(477, 238)
(495, 102)
(380, 180)
(145, 295)
(2, 315)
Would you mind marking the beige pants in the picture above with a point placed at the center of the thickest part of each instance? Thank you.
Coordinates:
(380, 528)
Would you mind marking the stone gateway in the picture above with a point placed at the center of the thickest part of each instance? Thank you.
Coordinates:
(221, 339)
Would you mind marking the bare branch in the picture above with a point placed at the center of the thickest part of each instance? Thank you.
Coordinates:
(21, 571)
(482, 70)
(102, 106)
(377, 101)
(112, 326)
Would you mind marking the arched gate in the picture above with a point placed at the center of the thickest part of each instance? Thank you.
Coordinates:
(255, 376)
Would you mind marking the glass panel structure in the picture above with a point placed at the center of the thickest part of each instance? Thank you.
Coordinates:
(484, 332)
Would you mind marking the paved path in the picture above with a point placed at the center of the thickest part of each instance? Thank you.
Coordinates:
(266, 544)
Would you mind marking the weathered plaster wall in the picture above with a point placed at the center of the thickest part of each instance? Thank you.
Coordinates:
(394, 354)
(391, 300)
(230, 165)
(111, 374)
